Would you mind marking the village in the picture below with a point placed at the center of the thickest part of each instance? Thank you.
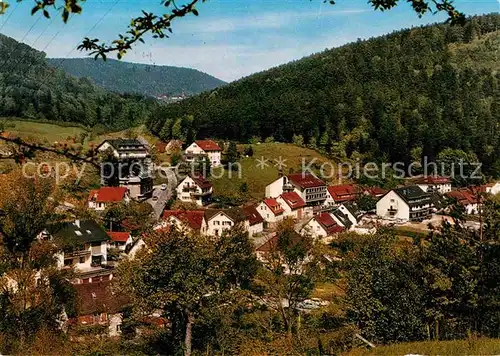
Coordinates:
(316, 209)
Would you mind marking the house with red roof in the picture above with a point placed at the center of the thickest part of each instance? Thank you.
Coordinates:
(102, 198)
(293, 205)
(195, 189)
(119, 239)
(342, 193)
(186, 220)
(208, 148)
(255, 220)
(271, 211)
(322, 225)
(216, 221)
(310, 188)
(468, 198)
(434, 183)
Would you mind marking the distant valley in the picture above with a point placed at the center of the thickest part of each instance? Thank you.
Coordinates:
(144, 79)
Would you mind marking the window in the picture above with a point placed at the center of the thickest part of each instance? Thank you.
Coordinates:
(392, 200)
(82, 259)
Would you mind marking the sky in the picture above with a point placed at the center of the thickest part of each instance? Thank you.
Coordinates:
(229, 39)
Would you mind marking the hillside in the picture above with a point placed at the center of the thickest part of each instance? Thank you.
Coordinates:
(151, 80)
(30, 88)
(395, 98)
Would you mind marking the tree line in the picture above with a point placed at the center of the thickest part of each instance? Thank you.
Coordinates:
(30, 88)
(396, 98)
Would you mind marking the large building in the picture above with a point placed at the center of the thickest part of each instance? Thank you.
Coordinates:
(127, 163)
(407, 203)
(309, 187)
(204, 148)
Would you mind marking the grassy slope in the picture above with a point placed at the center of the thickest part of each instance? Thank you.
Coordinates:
(455, 347)
(40, 131)
(257, 178)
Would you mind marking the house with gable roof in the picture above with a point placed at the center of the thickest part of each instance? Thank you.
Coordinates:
(102, 198)
(216, 221)
(322, 225)
(409, 203)
(195, 189)
(292, 204)
(271, 211)
(255, 220)
(185, 220)
(207, 148)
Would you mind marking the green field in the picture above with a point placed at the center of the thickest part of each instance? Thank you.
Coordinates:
(473, 346)
(40, 130)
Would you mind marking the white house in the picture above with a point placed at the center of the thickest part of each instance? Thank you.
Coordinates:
(102, 198)
(408, 203)
(322, 225)
(309, 187)
(119, 239)
(271, 211)
(255, 220)
(84, 244)
(292, 204)
(195, 189)
(216, 221)
(206, 148)
(434, 184)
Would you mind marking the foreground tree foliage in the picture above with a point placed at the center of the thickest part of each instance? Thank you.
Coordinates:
(443, 287)
(186, 277)
(34, 293)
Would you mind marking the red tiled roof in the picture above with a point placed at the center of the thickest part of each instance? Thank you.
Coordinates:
(94, 298)
(201, 182)
(108, 194)
(293, 200)
(328, 223)
(192, 218)
(305, 180)
(344, 192)
(252, 215)
(275, 207)
(208, 145)
(118, 236)
(433, 180)
(463, 196)
(375, 191)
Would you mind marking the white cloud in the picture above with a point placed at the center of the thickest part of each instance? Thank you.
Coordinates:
(262, 21)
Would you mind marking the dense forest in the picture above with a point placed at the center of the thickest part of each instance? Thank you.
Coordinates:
(30, 88)
(398, 97)
(151, 80)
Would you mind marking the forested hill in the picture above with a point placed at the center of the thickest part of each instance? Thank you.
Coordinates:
(411, 92)
(143, 79)
(30, 88)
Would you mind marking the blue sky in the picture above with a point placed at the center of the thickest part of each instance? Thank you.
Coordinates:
(231, 38)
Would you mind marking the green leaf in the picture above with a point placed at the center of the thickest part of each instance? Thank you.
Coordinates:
(3, 7)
